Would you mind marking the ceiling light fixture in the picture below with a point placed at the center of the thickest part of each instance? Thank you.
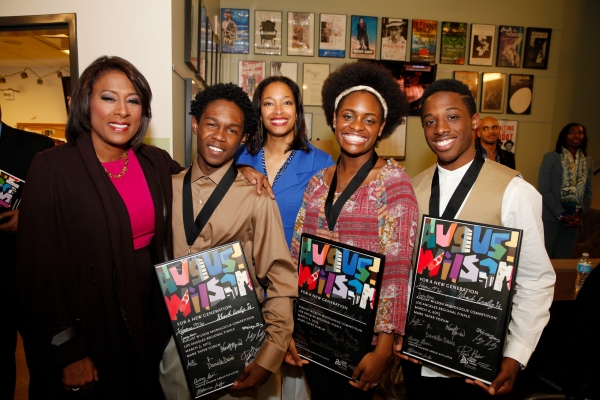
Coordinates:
(2, 79)
(24, 75)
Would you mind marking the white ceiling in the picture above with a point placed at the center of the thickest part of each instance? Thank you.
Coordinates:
(34, 49)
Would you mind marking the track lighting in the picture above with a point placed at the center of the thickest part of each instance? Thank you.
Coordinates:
(24, 75)
(2, 79)
(40, 81)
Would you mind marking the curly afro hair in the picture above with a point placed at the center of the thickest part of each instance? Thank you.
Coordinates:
(229, 92)
(369, 74)
(453, 86)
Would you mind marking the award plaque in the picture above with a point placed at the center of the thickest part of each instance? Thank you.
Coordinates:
(216, 318)
(334, 316)
(461, 296)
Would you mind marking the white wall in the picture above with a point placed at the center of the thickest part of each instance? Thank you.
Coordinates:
(34, 103)
(137, 30)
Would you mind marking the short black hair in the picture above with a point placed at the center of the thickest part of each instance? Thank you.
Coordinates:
(454, 86)
(369, 74)
(79, 122)
(256, 139)
(229, 92)
(562, 138)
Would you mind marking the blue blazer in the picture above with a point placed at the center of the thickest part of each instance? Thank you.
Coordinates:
(549, 182)
(289, 189)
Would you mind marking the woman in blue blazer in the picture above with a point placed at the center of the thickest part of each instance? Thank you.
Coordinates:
(565, 182)
(280, 149)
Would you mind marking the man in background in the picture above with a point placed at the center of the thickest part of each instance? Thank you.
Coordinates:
(489, 145)
(17, 149)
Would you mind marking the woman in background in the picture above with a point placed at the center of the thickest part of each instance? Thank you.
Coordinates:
(363, 104)
(94, 220)
(280, 149)
(565, 182)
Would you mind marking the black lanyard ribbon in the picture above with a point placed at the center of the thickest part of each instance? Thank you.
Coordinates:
(192, 230)
(332, 211)
(459, 195)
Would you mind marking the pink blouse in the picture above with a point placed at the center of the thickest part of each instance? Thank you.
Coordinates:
(134, 191)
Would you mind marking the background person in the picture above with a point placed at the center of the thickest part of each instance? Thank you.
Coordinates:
(17, 149)
(565, 182)
(363, 104)
(93, 221)
(489, 145)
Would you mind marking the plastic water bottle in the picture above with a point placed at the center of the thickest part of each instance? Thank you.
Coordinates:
(584, 267)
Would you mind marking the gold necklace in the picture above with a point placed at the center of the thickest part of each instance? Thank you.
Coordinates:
(120, 175)
(341, 185)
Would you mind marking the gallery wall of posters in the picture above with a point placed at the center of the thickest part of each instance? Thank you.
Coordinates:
(493, 92)
(520, 94)
(469, 78)
(394, 33)
(332, 35)
(482, 44)
(267, 32)
(363, 37)
(510, 44)
(454, 43)
(301, 34)
(250, 74)
(424, 40)
(289, 69)
(537, 48)
(235, 28)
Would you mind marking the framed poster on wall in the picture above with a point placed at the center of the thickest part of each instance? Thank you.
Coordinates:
(289, 69)
(394, 146)
(482, 44)
(301, 34)
(393, 38)
(537, 48)
(313, 76)
(520, 94)
(250, 74)
(493, 92)
(267, 32)
(332, 35)
(454, 43)
(469, 78)
(192, 31)
(235, 24)
(363, 37)
(510, 44)
(424, 40)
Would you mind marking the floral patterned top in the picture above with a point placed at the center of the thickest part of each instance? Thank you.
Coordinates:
(381, 217)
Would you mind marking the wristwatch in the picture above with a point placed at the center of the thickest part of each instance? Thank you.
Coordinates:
(560, 217)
